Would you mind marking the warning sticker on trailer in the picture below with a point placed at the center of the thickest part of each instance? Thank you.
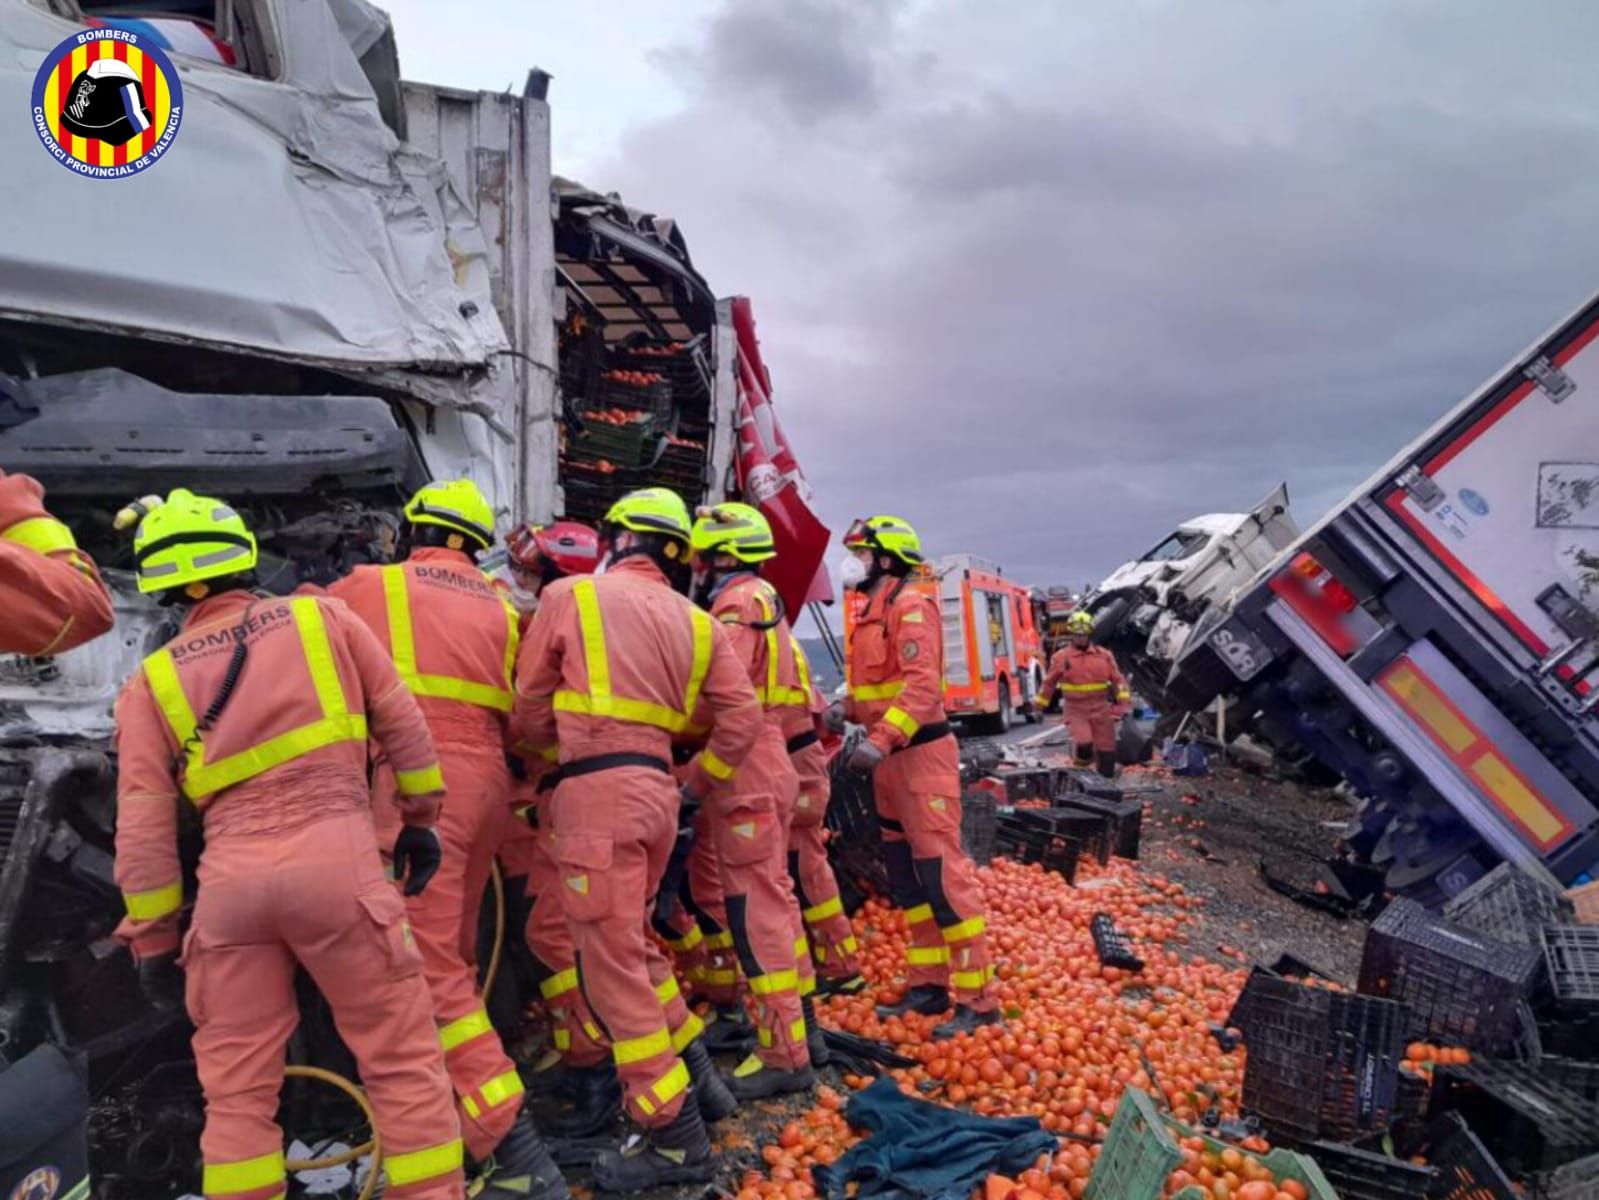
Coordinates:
(1568, 495)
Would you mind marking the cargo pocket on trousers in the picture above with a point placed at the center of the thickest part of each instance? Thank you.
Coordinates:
(191, 958)
(934, 813)
(583, 863)
(385, 909)
(748, 833)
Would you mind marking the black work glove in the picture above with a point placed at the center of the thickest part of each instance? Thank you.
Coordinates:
(672, 878)
(161, 981)
(865, 758)
(417, 855)
(834, 720)
(688, 804)
(1110, 692)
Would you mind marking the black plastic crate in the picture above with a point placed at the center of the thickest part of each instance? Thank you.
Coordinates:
(1321, 1064)
(1125, 815)
(1074, 781)
(1566, 1035)
(1238, 1018)
(979, 826)
(1571, 953)
(1364, 1175)
(1409, 1127)
(1025, 783)
(1112, 946)
(1509, 905)
(1525, 1120)
(856, 848)
(1466, 1171)
(1573, 1074)
(1462, 987)
(1038, 844)
(1090, 830)
(1575, 1181)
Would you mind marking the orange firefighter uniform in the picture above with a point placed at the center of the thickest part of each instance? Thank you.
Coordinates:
(454, 638)
(1095, 695)
(290, 874)
(895, 687)
(748, 819)
(612, 667)
(831, 938)
(50, 593)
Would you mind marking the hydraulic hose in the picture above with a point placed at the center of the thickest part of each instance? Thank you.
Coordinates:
(499, 929)
(375, 1146)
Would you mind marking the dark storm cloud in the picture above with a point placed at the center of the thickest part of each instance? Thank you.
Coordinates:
(1048, 282)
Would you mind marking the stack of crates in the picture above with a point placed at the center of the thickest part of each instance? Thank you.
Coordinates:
(1527, 1121)
(1508, 905)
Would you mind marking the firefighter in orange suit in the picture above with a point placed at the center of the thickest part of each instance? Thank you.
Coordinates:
(831, 938)
(895, 688)
(748, 817)
(578, 1065)
(613, 666)
(1094, 691)
(50, 593)
(453, 638)
(258, 714)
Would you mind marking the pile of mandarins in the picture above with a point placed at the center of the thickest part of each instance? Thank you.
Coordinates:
(1075, 1033)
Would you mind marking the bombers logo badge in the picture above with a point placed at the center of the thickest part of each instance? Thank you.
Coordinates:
(107, 103)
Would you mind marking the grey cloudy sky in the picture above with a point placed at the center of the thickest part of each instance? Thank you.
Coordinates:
(1046, 278)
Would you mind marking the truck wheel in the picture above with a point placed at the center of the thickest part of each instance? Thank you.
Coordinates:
(997, 722)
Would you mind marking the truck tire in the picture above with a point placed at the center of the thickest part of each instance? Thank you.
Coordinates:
(997, 722)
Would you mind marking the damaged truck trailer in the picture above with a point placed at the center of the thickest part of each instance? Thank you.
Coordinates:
(1434, 638)
(334, 286)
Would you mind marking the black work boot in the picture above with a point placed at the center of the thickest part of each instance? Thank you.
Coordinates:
(521, 1167)
(710, 1089)
(596, 1102)
(965, 1020)
(926, 998)
(675, 1153)
(853, 986)
(730, 1031)
(754, 1080)
(548, 1076)
(1105, 764)
(820, 1056)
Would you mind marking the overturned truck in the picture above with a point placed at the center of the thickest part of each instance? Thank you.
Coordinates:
(1434, 638)
(334, 286)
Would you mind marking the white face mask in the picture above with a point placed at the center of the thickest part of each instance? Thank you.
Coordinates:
(524, 601)
(851, 572)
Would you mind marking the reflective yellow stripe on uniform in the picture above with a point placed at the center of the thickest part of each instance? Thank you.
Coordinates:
(849, 945)
(667, 990)
(877, 691)
(971, 980)
(421, 782)
(820, 912)
(338, 724)
(965, 930)
(493, 1094)
(665, 1089)
(244, 1175)
(715, 767)
(774, 981)
(562, 1039)
(915, 916)
(402, 648)
(687, 1032)
(1084, 687)
(464, 1029)
(688, 941)
(719, 941)
(632, 1050)
(559, 984)
(718, 977)
(902, 721)
(774, 694)
(417, 1165)
(157, 902)
(926, 956)
(43, 534)
(600, 701)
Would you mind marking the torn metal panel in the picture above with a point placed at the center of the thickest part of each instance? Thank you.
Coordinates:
(287, 220)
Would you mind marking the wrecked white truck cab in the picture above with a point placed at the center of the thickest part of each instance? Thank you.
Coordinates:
(332, 287)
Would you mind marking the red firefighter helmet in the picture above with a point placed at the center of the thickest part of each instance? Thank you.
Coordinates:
(564, 548)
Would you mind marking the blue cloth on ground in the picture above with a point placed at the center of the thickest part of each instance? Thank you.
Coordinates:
(918, 1149)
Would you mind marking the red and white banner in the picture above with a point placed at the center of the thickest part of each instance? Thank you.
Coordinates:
(770, 478)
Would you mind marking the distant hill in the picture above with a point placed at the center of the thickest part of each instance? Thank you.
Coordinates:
(827, 675)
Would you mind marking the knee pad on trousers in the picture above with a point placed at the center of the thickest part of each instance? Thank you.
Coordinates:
(930, 874)
(738, 922)
(903, 888)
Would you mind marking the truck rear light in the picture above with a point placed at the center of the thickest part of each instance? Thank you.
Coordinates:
(1325, 604)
